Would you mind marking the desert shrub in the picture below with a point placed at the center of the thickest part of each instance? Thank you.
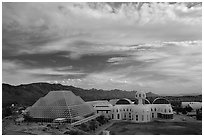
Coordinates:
(48, 125)
(84, 127)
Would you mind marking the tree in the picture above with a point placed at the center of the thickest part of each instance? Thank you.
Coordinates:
(27, 116)
(84, 127)
(92, 125)
(188, 108)
(199, 114)
(6, 111)
(184, 111)
(101, 119)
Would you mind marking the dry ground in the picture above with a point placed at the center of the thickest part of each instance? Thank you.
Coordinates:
(170, 127)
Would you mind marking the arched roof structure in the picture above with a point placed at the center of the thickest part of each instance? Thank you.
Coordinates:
(160, 101)
(123, 101)
(147, 101)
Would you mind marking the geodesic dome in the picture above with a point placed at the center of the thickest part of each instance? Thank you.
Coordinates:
(60, 104)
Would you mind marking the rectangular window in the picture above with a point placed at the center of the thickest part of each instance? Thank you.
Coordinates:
(118, 116)
(106, 112)
(142, 117)
(152, 115)
(112, 116)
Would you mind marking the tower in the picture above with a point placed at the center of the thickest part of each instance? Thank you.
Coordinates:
(140, 95)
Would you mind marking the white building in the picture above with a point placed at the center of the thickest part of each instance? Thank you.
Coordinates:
(193, 105)
(138, 111)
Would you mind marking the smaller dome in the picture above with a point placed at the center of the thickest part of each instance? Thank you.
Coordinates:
(165, 109)
(140, 95)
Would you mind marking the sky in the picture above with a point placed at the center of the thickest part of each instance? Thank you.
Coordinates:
(153, 47)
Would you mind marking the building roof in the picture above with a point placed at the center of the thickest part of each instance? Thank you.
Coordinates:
(97, 102)
(195, 106)
(113, 101)
(60, 104)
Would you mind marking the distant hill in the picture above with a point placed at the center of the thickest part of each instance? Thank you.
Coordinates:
(29, 93)
(150, 94)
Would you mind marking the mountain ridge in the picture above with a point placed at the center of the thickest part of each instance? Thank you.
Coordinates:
(29, 93)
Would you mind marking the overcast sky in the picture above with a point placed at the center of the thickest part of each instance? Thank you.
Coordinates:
(153, 47)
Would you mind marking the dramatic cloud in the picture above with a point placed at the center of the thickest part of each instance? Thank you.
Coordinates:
(148, 46)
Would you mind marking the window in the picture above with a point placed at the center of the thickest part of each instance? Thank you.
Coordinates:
(118, 116)
(142, 117)
(147, 117)
(127, 109)
(125, 116)
(155, 109)
(152, 115)
(136, 118)
(129, 115)
(151, 109)
(112, 116)
(116, 110)
(169, 110)
(165, 110)
(106, 112)
(139, 95)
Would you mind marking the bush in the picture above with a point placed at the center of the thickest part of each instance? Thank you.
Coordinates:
(44, 129)
(188, 109)
(48, 125)
(84, 127)
(101, 119)
(92, 125)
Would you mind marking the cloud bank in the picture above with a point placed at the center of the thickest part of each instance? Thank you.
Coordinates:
(130, 46)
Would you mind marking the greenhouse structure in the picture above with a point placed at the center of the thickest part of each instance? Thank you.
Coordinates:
(60, 104)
